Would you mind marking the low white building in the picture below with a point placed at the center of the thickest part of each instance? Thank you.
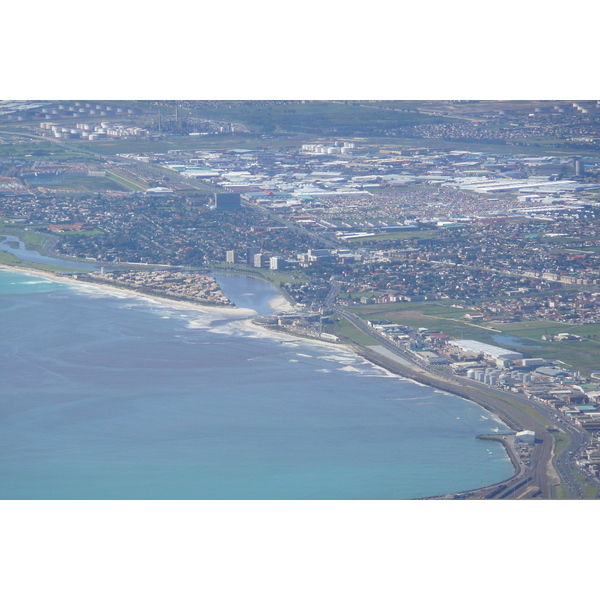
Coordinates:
(528, 437)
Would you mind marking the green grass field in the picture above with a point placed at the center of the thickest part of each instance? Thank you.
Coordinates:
(36, 150)
(126, 183)
(31, 239)
(345, 329)
(560, 492)
(89, 184)
(581, 356)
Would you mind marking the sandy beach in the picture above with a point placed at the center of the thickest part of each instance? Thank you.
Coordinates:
(279, 304)
(238, 312)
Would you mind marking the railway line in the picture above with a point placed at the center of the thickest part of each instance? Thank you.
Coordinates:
(544, 471)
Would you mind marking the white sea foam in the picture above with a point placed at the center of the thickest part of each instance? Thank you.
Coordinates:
(377, 371)
(339, 359)
(204, 321)
(416, 382)
(497, 419)
(238, 328)
(96, 290)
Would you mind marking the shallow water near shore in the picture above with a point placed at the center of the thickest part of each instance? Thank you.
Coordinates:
(112, 396)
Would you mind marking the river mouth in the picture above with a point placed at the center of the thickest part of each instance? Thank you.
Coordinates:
(247, 292)
(13, 245)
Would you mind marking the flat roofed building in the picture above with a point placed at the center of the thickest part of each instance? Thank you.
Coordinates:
(525, 436)
(488, 351)
(227, 201)
(276, 263)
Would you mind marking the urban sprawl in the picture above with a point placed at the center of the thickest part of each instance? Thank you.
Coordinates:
(468, 250)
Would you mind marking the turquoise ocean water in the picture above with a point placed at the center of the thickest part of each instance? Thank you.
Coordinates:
(109, 396)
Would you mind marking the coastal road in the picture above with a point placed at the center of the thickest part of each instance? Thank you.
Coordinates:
(544, 470)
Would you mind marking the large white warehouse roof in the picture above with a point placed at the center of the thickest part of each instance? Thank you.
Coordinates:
(493, 352)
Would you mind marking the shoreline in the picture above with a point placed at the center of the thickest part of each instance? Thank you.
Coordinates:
(247, 312)
(280, 304)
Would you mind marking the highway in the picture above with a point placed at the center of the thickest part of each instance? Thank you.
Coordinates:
(544, 471)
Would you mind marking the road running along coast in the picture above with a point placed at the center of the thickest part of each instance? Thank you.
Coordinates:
(544, 473)
(535, 480)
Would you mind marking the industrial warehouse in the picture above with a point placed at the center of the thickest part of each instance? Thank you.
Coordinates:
(489, 352)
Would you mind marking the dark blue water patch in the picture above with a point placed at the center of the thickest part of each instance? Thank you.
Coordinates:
(513, 341)
(33, 256)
